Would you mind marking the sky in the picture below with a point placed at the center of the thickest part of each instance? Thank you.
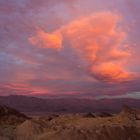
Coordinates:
(70, 48)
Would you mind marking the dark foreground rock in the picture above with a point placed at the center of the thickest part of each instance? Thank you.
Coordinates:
(11, 116)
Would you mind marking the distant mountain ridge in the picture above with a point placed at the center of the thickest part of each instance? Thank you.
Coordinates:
(33, 104)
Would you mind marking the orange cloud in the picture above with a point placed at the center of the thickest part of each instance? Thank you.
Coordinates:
(111, 73)
(47, 40)
(99, 40)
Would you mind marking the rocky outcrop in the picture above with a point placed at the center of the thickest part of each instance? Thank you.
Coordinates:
(11, 116)
(129, 114)
(89, 115)
(104, 114)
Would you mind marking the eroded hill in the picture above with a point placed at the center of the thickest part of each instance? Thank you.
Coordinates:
(122, 126)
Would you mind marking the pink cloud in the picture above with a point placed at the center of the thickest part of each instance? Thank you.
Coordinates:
(47, 40)
(98, 39)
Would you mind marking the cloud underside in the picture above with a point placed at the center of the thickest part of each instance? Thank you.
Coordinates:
(97, 39)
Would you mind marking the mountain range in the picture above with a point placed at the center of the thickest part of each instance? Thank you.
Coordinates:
(28, 104)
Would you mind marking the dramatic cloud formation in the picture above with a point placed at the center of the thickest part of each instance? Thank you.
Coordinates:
(110, 72)
(98, 39)
(70, 48)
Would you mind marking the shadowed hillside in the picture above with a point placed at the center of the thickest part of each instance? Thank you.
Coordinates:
(11, 116)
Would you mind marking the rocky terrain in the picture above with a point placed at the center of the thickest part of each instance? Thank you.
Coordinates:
(104, 126)
(11, 116)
